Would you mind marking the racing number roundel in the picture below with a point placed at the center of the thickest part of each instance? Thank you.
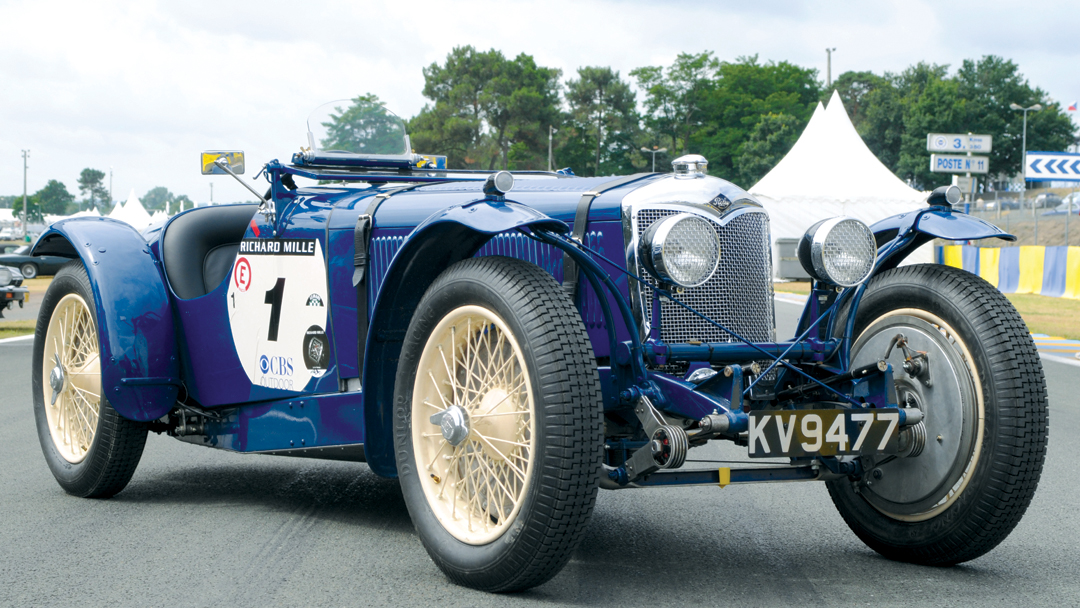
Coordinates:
(242, 274)
(277, 312)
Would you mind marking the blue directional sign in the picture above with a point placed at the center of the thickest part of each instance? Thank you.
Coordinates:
(1052, 166)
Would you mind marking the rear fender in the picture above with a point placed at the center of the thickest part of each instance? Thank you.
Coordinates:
(899, 235)
(139, 368)
(444, 238)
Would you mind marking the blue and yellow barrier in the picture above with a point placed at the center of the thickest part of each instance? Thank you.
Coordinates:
(1047, 271)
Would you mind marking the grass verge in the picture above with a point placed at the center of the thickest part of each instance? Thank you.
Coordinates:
(14, 329)
(1045, 315)
(800, 287)
(1058, 317)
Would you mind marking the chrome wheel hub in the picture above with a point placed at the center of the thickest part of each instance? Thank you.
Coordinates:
(56, 379)
(454, 424)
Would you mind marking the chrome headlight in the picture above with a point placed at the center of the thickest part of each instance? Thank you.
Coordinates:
(682, 249)
(5, 276)
(839, 251)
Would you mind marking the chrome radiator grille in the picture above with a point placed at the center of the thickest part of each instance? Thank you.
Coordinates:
(739, 295)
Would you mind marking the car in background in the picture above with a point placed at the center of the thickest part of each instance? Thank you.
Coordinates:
(31, 266)
(11, 289)
(1007, 204)
(1070, 207)
(1046, 200)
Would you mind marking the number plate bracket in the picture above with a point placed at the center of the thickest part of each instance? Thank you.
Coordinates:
(812, 433)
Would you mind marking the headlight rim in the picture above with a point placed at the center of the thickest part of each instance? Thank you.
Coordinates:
(812, 247)
(10, 276)
(655, 237)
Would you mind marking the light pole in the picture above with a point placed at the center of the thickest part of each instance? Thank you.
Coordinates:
(1023, 161)
(828, 66)
(654, 152)
(551, 133)
(25, 156)
(110, 187)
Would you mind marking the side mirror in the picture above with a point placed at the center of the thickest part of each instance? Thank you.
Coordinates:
(235, 160)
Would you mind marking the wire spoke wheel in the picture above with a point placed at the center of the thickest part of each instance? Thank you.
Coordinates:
(91, 449)
(72, 378)
(477, 470)
(498, 424)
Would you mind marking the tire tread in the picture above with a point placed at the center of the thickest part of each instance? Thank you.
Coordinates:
(1017, 447)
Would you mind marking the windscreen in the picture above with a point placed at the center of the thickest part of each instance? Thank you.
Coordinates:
(357, 126)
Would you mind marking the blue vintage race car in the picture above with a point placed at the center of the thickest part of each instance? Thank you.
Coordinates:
(507, 344)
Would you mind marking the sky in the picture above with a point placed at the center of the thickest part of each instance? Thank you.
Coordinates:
(141, 88)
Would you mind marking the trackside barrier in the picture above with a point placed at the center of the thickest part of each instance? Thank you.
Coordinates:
(1046, 271)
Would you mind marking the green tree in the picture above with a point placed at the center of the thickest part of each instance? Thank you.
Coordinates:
(894, 114)
(54, 198)
(990, 85)
(156, 198)
(33, 209)
(602, 124)
(365, 127)
(92, 188)
(746, 91)
(523, 101)
(772, 138)
(674, 96)
(484, 106)
(856, 90)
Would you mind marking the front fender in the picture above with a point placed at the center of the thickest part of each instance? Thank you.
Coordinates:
(445, 237)
(899, 235)
(139, 367)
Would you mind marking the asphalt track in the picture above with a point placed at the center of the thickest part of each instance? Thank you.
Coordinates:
(198, 527)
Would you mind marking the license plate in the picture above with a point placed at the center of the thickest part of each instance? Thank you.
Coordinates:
(805, 433)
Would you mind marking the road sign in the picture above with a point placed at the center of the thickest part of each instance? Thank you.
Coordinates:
(957, 142)
(1052, 166)
(955, 163)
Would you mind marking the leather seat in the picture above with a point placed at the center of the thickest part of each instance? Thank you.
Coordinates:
(199, 247)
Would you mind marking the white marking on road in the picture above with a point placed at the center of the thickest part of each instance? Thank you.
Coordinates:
(790, 298)
(1059, 359)
(16, 339)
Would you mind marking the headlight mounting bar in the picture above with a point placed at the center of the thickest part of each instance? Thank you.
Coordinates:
(582, 252)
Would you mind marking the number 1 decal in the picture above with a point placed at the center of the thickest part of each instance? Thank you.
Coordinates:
(273, 298)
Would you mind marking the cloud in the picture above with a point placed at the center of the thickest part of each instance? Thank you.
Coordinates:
(143, 87)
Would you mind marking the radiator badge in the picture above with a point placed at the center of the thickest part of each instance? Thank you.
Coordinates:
(721, 202)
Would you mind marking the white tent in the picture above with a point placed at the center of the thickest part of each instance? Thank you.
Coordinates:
(118, 210)
(830, 172)
(131, 212)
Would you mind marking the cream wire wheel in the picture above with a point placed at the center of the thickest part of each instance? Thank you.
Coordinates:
(498, 424)
(91, 449)
(72, 378)
(473, 424)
